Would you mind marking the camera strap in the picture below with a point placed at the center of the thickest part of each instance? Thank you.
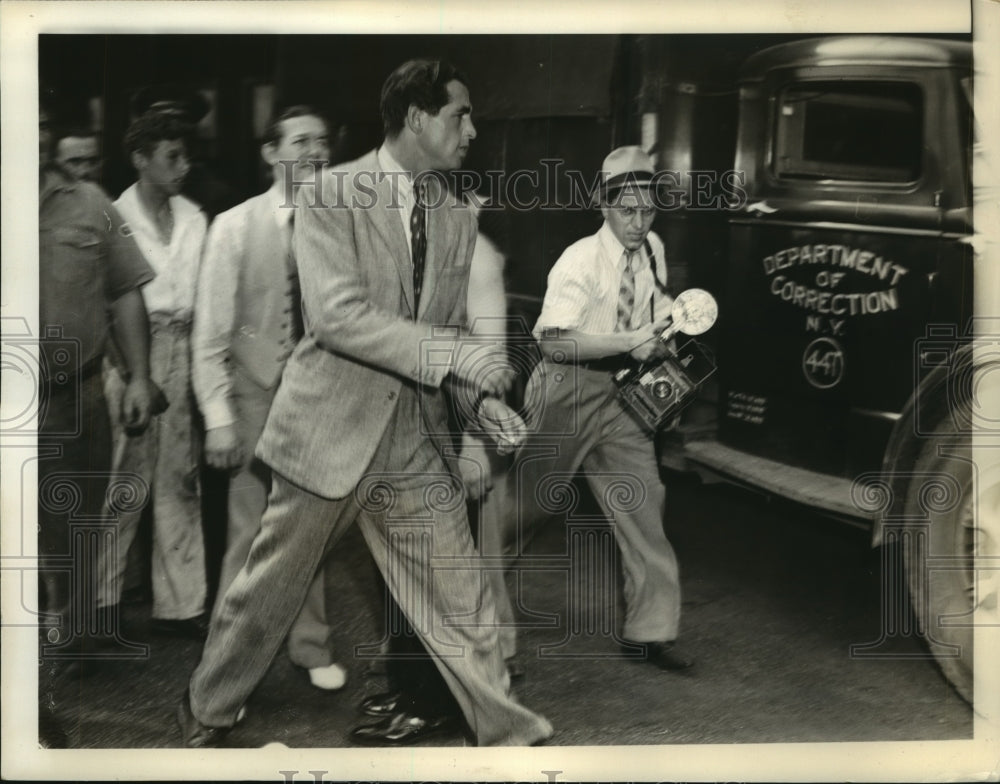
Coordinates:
(660, 286)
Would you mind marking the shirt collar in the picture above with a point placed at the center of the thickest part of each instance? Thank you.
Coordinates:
(183, 210)
(612, 247)
(404, 184)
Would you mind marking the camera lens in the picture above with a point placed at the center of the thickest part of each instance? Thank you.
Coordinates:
(662, 390)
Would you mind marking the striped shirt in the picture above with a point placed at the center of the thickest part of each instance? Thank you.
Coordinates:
(582, 291)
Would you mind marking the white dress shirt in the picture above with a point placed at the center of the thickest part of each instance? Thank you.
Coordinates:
(583, 286)
(170, 295)
(404, 191)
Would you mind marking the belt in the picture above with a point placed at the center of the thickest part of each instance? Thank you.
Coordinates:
(162, 323)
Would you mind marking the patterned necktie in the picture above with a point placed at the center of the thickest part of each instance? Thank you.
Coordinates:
(418, 237)
(626, 294)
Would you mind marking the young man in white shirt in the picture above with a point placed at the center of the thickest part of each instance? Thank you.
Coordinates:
(162, 463)
(607, 301)
(247, 320)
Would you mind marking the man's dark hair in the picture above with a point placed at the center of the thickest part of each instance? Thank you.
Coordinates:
(152, 128)
(273, 133)
(75, 132)
(420, 83)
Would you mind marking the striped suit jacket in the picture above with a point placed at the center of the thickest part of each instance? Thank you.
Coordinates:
(363, 342)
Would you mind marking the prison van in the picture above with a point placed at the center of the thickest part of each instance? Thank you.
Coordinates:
(843, 336)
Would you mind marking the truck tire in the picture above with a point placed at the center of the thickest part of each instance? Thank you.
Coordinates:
(938, 555)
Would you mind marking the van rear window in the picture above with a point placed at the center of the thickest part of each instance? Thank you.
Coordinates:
(870, 131)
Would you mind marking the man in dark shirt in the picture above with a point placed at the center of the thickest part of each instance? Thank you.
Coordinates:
(90, 270)
(77, 153)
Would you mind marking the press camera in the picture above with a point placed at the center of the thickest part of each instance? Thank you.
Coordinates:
(657, 391)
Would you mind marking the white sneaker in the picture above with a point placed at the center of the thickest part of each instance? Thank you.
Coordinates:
(330, 678)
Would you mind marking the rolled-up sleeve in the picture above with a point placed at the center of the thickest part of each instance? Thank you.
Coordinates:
(567, 296)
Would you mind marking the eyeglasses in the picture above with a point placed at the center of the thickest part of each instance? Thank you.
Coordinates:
(631, 212)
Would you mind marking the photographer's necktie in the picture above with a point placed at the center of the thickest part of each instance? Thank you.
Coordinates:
(418, 237)
(626, 294)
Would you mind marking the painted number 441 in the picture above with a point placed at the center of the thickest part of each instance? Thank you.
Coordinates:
(823, 363)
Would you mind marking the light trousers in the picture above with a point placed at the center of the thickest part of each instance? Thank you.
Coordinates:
(309, 638)
(577, 422)
(413, 519)
(164, 462)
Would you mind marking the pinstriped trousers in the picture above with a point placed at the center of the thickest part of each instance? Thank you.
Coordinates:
(412, 516)
(309, 637)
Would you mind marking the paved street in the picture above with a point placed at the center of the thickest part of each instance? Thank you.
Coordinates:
(774, 597)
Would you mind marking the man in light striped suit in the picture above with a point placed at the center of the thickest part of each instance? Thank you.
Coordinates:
(358, 431)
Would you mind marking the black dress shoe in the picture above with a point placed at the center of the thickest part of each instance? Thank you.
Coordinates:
(382, 705)
(403, 729)
(194, 734)
(192, 628)
(665, 655)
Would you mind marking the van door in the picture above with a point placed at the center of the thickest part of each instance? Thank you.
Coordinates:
(848, 247)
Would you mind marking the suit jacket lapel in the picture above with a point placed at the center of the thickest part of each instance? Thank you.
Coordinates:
(385, 217)
(437, 240)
